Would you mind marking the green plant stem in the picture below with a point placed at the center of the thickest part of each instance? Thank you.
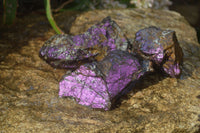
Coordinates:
(50, 18)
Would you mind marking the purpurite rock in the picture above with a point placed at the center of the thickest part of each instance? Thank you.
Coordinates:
(161, 47)
(98, 83)
(65, 51)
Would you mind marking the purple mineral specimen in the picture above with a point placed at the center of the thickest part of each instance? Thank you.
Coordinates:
(108, 66)
(66, 51)
(98, 83)
(161, 47)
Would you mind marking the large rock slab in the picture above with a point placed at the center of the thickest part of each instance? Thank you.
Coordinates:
(29, 100)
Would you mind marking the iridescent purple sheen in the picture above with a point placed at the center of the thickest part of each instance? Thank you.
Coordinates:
(147, 42)
(66, 51)
(86, 88)
(173, 69)
(97, 84)
(161, 47)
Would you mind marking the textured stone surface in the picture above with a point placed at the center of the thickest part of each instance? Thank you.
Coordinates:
(29, 100)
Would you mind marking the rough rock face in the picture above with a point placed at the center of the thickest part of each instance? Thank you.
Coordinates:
(161, 47)
(64, 51)
(29, 100)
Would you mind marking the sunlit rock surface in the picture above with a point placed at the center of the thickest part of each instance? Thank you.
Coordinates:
(29, 88)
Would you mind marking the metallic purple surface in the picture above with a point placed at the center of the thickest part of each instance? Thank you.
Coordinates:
(86, 88)
(98, 83)
(66, 51)
(161, 47)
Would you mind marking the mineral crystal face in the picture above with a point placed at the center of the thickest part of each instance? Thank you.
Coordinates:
(98, 83)
(161, 47)
(66, 51)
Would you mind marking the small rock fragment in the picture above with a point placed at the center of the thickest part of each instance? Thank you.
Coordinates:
(161, 47)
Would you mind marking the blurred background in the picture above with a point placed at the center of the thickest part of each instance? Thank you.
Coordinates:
(13, 9)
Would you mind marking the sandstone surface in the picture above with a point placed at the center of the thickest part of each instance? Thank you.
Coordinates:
(29, 100)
